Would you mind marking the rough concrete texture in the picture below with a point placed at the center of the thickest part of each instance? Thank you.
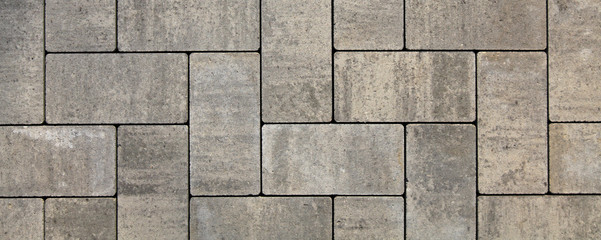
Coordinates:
(22, 218)
(368, 218)
(80, 218)
(333, 159)
(404, 86)
(225, 124)
(441, 181)
(57, 161)
(512, 122)
(296, 45)
(261, 218)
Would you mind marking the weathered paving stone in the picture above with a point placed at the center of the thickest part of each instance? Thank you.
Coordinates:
(297, 61)
(512, 122)
(180, 25)
(574, 60)
(21, 61)
(75, 25)
(539, 217)
(22, 218)
(117, 88)
(366, 24)
(575, 158)
(261, 218)
(224, 124)
(333, 159)
(80, 218)
(475, 24)
(441, 181)
(404, 86)
(57, 161)
(153, 182)
(368, 217)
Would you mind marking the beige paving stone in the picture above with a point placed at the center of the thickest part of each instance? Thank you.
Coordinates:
(80, 218)
(261, 218)
(117, 88)
(574, 60)
(512, 122)
(333, 159)
(368, 218)
(225, 124)
(296, 60)
(22, 218)
(404, 86)
(441, 181)
(57, 161)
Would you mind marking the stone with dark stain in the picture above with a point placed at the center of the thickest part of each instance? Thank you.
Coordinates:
(368, 217)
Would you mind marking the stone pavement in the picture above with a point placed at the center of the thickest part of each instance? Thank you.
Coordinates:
(300, 119)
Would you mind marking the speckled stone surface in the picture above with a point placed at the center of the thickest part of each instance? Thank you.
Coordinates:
(80, 218)
(368, 218)
(22, 218)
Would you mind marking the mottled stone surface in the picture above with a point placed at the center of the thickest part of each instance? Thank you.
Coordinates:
(261, 218)
(404, 86)
(224, 124)
(512, 122)
(475, 24)
(574, 60)
(368, 218)
(333, 159)
(297, 60)
(57, 161)
(80, 218)
(180, 25)
(153, 182)
(116, 88)
(368, 24)
(22, 218)
(441, 181)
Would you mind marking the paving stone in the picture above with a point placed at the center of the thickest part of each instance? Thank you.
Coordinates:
(575, 158)
(80, 218)
(75, 25)
(117, 88)
(474, 24)
(512, 122)
(574, 60)
(261, 218)
(404, 86)
(22, 218)
(368, 217)
(180, 25)
(225, 124)
(441, 181)
(364, 24)
(296, 61)
(539, 217)
(21, 61)
(57, 161)
(153, 182)
(333, 159)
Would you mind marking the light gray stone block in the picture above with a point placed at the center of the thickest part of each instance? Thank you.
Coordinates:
(80, 218)
(117, 88)
(368, 218)
(333, 159)
(22, 218)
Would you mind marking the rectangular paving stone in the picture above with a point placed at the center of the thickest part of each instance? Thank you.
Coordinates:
(475, 24)
(22, 62)
(117, 88)
(57, 161)
(180, 25)
(539, 217)
(512, 122)
(22, 218)
(333, 159)
(296, 60)
(225, 124)
(261, 218)
(404, 86)
(574, 60)
(153, 182)
(80, 218)
(441, 181)
(368, 218)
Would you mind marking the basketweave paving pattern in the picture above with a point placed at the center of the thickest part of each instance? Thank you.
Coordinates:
(290, 119)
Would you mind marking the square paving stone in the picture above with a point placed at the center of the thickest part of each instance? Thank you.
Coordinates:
(80, 218)
(22, 218)
(368, 218)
